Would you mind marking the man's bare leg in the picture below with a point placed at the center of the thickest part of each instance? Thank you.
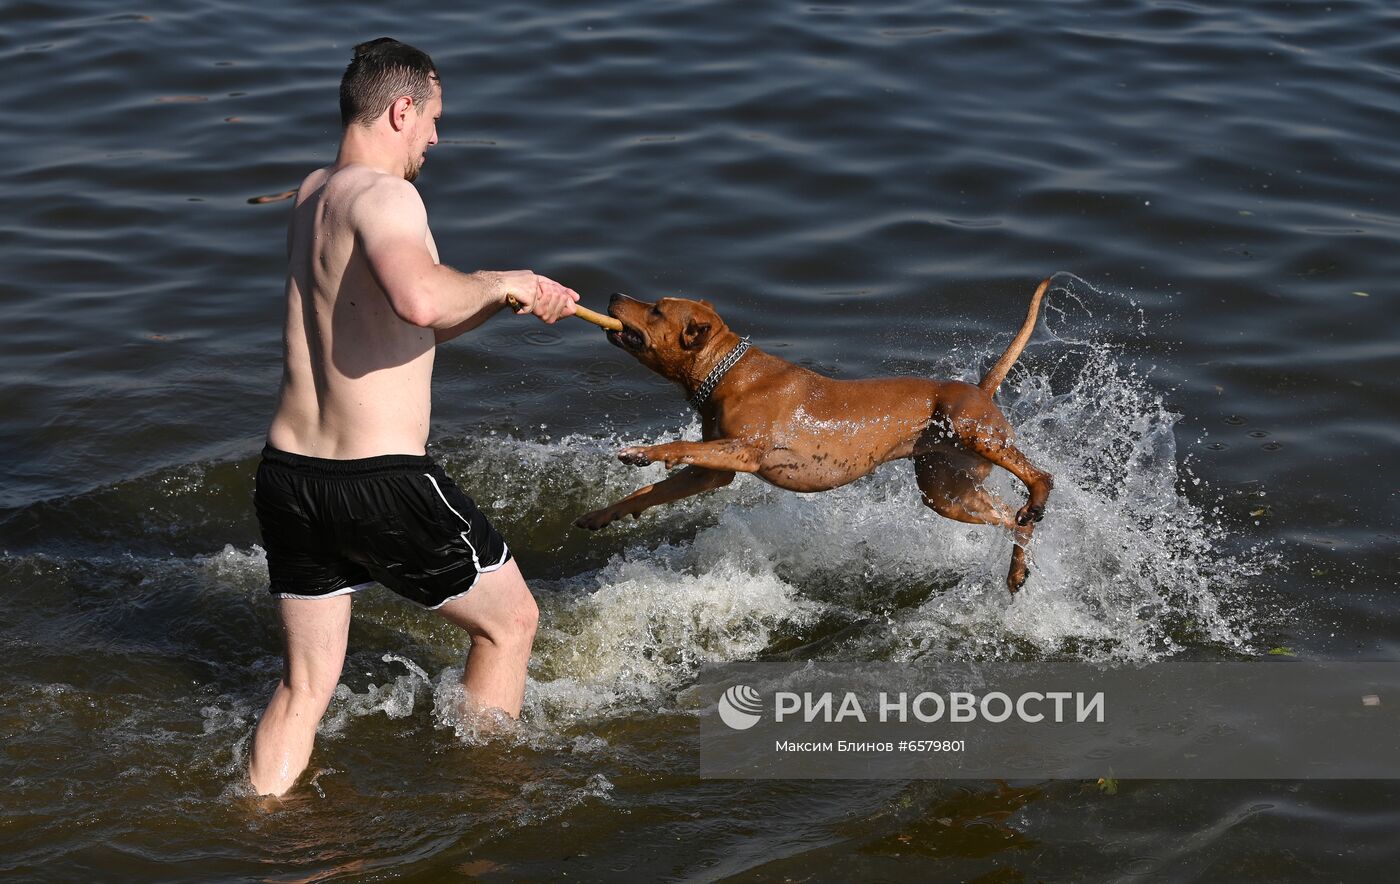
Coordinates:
(500, 615)
(315, 633)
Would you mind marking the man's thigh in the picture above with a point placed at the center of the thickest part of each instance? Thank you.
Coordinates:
(315, 632)
(498, 604)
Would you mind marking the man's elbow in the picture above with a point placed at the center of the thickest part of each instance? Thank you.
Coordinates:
(418, 310)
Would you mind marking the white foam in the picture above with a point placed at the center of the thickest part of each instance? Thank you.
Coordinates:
(393, 699)
(628, 635)
(233, 567)
(545, 799)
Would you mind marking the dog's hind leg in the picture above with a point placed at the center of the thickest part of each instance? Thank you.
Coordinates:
(994, 443)
(952, 483)
(952, 486)
(976, 430)
(990, 437)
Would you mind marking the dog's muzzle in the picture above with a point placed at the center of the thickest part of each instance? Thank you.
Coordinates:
(628, 339)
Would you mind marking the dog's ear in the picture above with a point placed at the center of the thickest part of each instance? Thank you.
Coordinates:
(695, 334)
(707, 303)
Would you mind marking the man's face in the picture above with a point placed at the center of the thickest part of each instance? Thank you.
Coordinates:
(423, 134)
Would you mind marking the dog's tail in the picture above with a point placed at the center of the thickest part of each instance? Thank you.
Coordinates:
(998, 372)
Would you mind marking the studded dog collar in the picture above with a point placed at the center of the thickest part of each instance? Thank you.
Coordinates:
(702, 393)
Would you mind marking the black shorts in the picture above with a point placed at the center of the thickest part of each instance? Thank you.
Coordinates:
(335, 526)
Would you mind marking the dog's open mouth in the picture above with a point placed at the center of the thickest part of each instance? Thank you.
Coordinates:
(628, 339)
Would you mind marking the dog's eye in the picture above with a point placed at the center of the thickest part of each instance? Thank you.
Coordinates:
(655, 311)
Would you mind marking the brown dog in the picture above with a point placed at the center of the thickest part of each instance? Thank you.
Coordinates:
(802, 431)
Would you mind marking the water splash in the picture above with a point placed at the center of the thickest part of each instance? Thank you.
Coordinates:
(1129, 563)
(1126, 566)
(629, 635)
(394, 699)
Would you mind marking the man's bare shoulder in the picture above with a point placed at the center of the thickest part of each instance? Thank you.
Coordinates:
(377, 192)
(312, 184)
(374, 200)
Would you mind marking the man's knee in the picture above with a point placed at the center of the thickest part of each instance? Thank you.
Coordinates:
(499, 609)
(526, 621)
(517, 621)
(310, 690)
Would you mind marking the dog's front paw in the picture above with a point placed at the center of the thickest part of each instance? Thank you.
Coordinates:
(596, 519)
(1030, 514)
(634, 456)
(1017, 577)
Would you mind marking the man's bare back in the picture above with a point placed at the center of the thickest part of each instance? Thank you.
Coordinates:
(357, 378)
(367, 302)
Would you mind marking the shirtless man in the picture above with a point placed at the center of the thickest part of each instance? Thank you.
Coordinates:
(346, 495)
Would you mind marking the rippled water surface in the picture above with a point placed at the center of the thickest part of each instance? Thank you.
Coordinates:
(865, 189)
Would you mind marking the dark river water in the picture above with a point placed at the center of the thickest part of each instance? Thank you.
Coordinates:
(865, 189)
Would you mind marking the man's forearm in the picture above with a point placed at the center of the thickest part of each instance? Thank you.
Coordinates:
(451, 302)
(458, 302)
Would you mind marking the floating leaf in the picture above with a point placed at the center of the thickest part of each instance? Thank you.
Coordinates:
(1362, 294)
(1281, 652)
(1108, 785)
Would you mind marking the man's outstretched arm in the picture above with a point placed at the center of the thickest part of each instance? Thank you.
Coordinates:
(392, 227)
(547, 293)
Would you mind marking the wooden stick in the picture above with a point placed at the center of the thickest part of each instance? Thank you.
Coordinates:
(598, 319)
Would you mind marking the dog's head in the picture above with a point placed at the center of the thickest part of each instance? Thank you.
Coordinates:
(669, 336)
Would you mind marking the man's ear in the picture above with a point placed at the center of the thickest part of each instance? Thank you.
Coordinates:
(398, 112)
(695, 335)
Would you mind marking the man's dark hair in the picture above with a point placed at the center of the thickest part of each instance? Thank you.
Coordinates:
(381, 71)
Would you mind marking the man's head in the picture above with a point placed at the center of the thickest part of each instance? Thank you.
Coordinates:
(392, 81)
